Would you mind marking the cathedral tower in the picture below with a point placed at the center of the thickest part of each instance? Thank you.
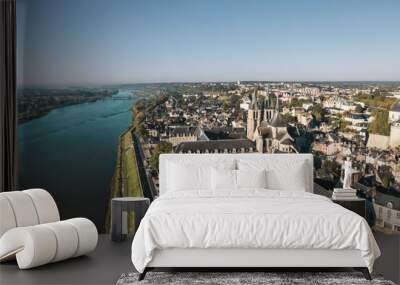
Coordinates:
(252, 116)
(268, 109)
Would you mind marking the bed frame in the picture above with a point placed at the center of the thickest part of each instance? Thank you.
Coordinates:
(233, 259)
(245, 259)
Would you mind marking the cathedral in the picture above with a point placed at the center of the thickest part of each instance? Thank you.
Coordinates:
(266, 127)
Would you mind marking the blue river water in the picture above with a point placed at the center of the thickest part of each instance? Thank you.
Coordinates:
(72, 151)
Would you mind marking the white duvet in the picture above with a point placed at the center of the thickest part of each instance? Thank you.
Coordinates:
(254, 218)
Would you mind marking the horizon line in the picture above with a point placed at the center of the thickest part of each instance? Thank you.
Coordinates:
(200, 82)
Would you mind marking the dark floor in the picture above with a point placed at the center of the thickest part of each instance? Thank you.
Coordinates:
(110, 260)
(389, 263)
(103, 266)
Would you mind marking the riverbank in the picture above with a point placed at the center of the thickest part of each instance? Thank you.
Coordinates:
(130, 177)
(26, 117)
(36, 103)
(125, 181)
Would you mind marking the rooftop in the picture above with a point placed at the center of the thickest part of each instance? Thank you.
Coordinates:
(224, 134)
(384, 199)
(181, 130)
(277, 121)
(211, 145)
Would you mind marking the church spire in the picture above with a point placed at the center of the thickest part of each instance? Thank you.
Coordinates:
(252, 116)
(277, 120)
(277, 104)
(266, 101)
(254, 99)
(266, 106)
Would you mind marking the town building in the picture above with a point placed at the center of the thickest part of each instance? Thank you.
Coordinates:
(387, 209)
(217, 146)
(340, 103)
(326, 148)
(394, 112)
(394, 140)
(177, 134)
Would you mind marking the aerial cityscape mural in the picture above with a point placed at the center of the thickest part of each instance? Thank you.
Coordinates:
(100, 101)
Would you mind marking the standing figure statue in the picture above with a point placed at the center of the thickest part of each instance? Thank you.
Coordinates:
(347, 174)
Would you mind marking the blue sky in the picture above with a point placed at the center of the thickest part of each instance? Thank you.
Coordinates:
(78, 42)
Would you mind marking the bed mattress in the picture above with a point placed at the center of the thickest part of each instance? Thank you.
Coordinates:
(250, 219)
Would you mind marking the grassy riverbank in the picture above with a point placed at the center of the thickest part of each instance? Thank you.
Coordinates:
(130, 176)
(125, 181)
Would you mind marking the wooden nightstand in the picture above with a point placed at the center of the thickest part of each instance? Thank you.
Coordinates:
(357, 205)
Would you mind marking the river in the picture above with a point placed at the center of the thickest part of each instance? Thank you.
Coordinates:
(72, 151)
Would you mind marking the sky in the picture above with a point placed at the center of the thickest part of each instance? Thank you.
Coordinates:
(91, 42)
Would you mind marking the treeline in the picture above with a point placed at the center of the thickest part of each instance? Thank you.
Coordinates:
(380, 125)
(380, 105)
(376, 99)
(34, 103)
(145, 107)
(141, 109)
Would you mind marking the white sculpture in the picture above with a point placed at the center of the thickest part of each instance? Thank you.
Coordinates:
(347, 174)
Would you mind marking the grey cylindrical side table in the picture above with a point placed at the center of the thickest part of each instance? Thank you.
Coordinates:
(119, 209)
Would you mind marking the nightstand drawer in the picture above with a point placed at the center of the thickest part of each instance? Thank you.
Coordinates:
(357, 206)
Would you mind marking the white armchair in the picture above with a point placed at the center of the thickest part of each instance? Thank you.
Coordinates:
(31, 230)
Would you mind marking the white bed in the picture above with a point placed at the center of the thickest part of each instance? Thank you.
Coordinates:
(280, 226)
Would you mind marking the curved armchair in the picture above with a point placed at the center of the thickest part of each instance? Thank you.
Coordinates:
(31, 230)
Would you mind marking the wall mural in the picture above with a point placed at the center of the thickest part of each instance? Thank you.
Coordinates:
(92, 127)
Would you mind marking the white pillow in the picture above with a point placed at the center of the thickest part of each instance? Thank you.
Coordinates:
(182, 177)
(281, 174)
(292, 179)
(193, 176)
(223, 179)
(251, 178)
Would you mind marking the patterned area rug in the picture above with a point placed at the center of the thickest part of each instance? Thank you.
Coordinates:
(273, 278)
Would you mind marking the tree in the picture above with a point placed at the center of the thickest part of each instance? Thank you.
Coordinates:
(344, 126)
(140, 105)
(318, 113)
(385, 174)
(287, 118)
(317, 161)
(376, 99)
(330, 167)
(139, 116)
(235, 101)
(141, 131)
(295, 103)
(380, 125)
(359, 109)
(162, 147)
